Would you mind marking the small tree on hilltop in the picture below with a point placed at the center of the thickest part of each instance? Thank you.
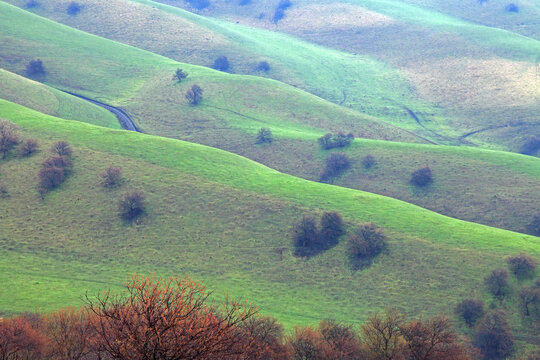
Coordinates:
(264, 136)
(35, 68)
(28, 147)
(62, 148)
(364, 244)
(493, 336)
(180, 75)
(132, 205)
(194, 95)
(422, 177)
(523, 265)
(497, 283)
(470, 310)
(9, 137)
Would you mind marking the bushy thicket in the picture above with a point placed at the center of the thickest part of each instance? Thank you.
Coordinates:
(422, 177)
(132, 205)
(335, 165)
(73, 8)
(35, 68)
(199, 4)
(194, 95)
(364, 244)
(53, 173)
(309, 239)
(470, 310)
(497, 283)
(263, 66)
(180, 75)
(176, 319)
(9, 137)
(493, 335)
(264, 136)
(221, 64)
(112, 177)
(368, 161)
(28, 147)
(522, 265)
(331, 141)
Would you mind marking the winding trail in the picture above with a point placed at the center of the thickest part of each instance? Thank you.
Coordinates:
(125, 121)
(493, 127)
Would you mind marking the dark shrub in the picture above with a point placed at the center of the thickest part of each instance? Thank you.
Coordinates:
(35, 68)
(331, 141)
(62, 148)
(194, 95)
(264, 136)
(530, 300)
(422, 177)
(534, 227)
(364, 244)
(51, 177)
(221, 64)
(263, 66)
(531, 145)
(9, 137)
(32, 4)
(470, 310)
(331, 228)
(180, 75)
(513, 8)
(497, 283)
(73, 8)
(268, 339)
(336, 164)
(305, 236)
(28, 147)
(493, 336)
(111, 177)
(199, 4)
(61, 162)
(244, 2)
(280, 10)
(523, 265)
(132, 205)
(368, 161)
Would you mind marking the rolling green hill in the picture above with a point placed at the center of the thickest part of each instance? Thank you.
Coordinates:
(477, 77)
(225, 220)
(47, 100)
(235, 107)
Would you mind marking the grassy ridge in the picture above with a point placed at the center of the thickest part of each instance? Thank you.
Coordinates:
(235, 107)
(223, 219)
(50, 101)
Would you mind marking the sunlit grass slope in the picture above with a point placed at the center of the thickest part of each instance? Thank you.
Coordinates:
(235, 107)
(224, 220)
(47, 100)
(478, 77)
(351, 80)
(142, 83)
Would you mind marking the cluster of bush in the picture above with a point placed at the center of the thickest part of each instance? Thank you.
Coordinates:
(530, 146)
(264, 136)
(175, 319)
(364, 243)
(309, 240)
(335, 165)
(339, 140)
(35, 68)
(493, 335)
(55, 169)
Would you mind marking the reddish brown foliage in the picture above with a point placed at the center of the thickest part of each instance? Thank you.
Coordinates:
(28, 147)
(62, 148)
(19, 340)
(169, 319)
(8, 137)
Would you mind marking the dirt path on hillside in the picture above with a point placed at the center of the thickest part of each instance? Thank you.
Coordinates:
(125, 121)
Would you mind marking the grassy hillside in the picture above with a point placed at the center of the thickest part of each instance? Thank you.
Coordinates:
(480, 77)
(235, 107)
(47, 100)
(355, 81)
(225, 220)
